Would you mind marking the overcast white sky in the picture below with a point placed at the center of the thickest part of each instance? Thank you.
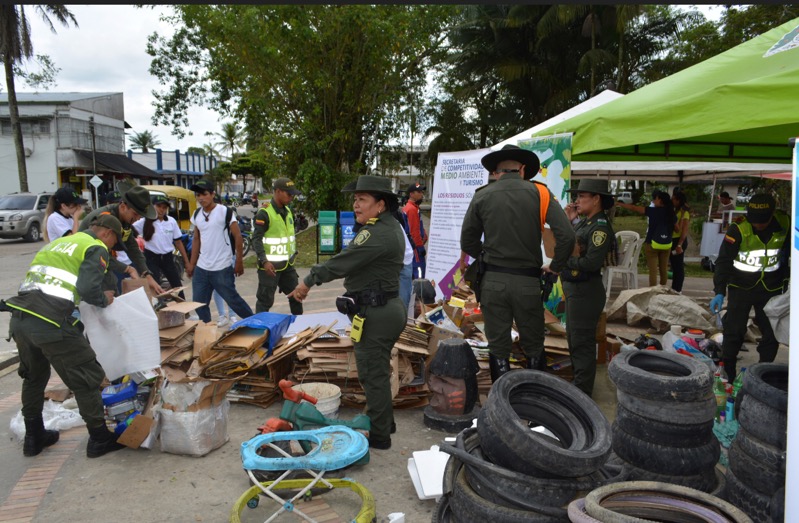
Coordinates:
(107, 52)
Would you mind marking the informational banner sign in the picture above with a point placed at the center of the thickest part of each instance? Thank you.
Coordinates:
(456, 177)
(555, 153)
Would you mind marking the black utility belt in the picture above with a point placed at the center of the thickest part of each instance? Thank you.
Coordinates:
(351, 302)
(577, 276)
(533, 272)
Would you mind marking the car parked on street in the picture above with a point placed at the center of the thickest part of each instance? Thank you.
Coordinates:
(22, 215)
(625, 197)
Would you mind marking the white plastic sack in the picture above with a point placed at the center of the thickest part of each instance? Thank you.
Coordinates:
(124, 335)
(55, 417)
(194, 433)
(779, 315)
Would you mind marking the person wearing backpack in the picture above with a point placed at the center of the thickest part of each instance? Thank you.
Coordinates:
(658, 241)
(582, 277)
(216, 235)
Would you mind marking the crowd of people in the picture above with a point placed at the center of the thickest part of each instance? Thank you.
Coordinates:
(502, 230)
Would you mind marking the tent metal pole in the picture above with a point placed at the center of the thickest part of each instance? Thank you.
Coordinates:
(712, 193)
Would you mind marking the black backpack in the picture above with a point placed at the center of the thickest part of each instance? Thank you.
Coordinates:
(228, 217)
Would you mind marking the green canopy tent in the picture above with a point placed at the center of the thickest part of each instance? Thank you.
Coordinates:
(737, 107)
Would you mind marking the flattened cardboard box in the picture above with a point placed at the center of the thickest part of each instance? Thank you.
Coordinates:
(141, 425)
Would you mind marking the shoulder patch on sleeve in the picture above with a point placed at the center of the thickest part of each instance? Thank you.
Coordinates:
(729, 239)
(361, 237)
(598, 238)
(103, 263)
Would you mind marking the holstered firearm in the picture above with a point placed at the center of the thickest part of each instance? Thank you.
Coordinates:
(474, 275)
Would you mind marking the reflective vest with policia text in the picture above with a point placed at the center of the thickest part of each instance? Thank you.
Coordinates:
(54, 270)
(758, 260)
(279, 241)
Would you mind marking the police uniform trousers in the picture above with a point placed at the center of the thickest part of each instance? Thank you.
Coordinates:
(42, 344)
(286, 280)
(505, 297)
(381, 329)
(739, 304)
(584, 304)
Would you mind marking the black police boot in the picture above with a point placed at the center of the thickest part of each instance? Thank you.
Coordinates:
(497, 366)
(537, 363)
(37, 437)
(101, 442)
(380, 444)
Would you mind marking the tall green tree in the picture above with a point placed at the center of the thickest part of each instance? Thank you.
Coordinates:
(316, 85)
(231, 139)
(16, 45)
(144, 141)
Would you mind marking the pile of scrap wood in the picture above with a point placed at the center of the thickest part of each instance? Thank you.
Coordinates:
(327, 357)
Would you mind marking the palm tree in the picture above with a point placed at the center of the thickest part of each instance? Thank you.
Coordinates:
(144, 140)
(232, 138)
(16, 45)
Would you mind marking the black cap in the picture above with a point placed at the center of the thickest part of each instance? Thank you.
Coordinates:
(724, 194)
(204, 185)
(761, 208)
(414, 187)
(68, 196)
(284, 184)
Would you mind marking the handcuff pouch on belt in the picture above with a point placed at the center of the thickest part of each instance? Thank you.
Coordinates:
(347, 305)
(350, 303)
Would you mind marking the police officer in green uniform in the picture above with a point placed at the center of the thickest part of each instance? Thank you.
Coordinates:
(47, 331)
(135, 204)
(275, 246)
(752, 267)
(582, 278)
(371, 267)
(508, 214)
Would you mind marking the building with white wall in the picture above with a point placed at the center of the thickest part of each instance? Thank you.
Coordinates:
(57, 131)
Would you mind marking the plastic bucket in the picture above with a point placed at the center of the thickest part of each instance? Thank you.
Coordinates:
(328, 397)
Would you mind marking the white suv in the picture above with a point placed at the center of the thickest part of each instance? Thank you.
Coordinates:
(22, 215)
(625, 197)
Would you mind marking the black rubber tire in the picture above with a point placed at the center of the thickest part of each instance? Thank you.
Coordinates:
(755, 504)
(577, 514)
(34, 233)
(664, 498)
(678, 413)
(467, 505)
(442, 512)
(778, 506)
(661, 376)
(489, 476)
(765, 423)
(768, 382)
(663, 432)
(706, 481)
(752, 473)
(671, 461)
(508, 441)
(446, 423)
(768, 455)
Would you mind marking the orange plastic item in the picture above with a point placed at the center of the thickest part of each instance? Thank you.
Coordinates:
(294, 395)
(275, 425)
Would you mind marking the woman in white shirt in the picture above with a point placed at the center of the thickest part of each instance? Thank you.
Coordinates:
(62, 217)
(161, 236)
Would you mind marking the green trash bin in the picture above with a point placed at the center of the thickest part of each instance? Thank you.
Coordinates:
(328, 223)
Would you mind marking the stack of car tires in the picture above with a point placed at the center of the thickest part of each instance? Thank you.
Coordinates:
(664, 420)
(756, 475)
(503, 471)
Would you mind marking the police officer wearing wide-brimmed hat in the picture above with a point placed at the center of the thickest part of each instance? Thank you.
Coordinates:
(582, 278)
(752, 267)
(45, 327)
(371, 267)
(507, 213)
(135, 204)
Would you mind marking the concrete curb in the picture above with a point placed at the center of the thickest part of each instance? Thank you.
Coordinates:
(7, 360)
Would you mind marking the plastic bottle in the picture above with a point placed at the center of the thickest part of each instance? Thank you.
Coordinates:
(720, 372)
(730, 412)
(721, 396)
(738, 383)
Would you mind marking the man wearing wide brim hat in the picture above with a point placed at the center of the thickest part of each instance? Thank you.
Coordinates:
(507, 213)
(370, 266)
(752, 267)
(135, 204)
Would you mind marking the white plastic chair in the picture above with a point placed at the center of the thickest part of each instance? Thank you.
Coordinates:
(630, 243)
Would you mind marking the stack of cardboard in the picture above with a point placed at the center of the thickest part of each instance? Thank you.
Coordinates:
(177, 349)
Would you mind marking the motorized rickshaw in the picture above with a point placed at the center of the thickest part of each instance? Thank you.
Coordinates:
(183, 203)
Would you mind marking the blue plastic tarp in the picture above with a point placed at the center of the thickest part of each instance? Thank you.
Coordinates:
(277, 324)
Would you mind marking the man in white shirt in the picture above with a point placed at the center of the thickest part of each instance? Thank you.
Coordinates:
(210, 268)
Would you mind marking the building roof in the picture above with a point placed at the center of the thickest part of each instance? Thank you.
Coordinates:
(53, 97)
(119, 163)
